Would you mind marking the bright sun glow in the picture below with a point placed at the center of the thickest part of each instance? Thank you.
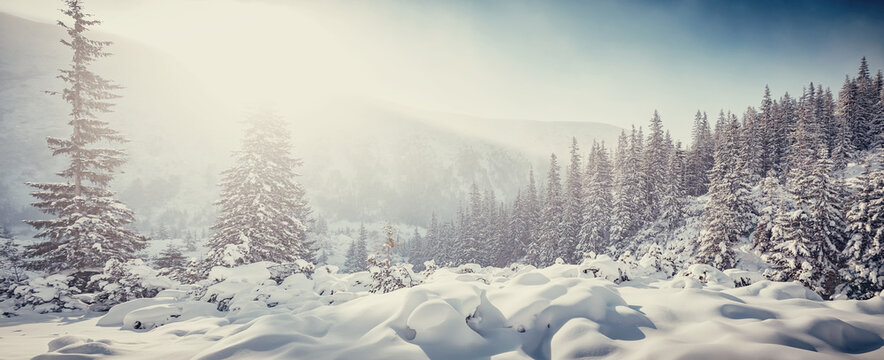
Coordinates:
(524, 60)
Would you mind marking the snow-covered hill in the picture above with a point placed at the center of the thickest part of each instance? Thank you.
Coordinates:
(363, 159)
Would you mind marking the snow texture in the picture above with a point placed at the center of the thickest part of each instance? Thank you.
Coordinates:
(471, 312)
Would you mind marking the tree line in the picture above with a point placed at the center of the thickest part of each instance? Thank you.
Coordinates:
(805, 220)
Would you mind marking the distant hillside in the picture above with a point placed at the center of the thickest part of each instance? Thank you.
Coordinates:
(362, 159)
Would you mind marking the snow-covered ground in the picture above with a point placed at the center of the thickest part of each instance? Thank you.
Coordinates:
(559, 312)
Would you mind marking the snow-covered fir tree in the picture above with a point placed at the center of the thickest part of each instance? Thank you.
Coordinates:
(189, 241)
(470, 247)
(88, 226)
(357, 255)
(523, 220)
(699, 158)
(432, 240)
(843, 150)
(501, 241)
(12, 261)
(322, 256)
(531, 210)
(751, 147)
(637, 142)
(361, 252)
(458, 234)
(414, 250)
(518, 230)
(655, 161)
(772, 199)
(350, 257)
(318, 235)
(542, 250)
(447, 234)
(170, 258)
(845, 112)
(595, 232)
(425, 252)
(785, 118)
(572, 213)
(726, 214)
(488, 244)
(629, 192)
(806, 241)
(263, 210)
(866, 97)
(162, 233)
(673, 190)
(805, 138)
(877, 126)
(864, 252)
(826, 117)
(768, 134)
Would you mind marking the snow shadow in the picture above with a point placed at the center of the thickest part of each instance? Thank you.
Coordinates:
(845, 337)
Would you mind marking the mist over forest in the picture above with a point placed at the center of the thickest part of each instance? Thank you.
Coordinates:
(364, 180)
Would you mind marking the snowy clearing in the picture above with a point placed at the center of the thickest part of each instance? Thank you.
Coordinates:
(559, 312)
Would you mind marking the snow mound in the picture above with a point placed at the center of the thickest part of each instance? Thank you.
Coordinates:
(604, 267)
(149, 317)
(446, 319)
(77, 347)
(520, 312)
(777, 291)
(117, 314)
(708, 275)
(845, 337)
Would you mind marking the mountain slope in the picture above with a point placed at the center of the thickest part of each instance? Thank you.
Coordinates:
(363, 160)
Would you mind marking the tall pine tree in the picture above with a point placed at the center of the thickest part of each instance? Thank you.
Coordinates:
(595, 233)
(864, 252)
(806, 241)
(772, 200)
(572, 216)
(846, 111)
(469, 248)
(264, 212)
(629, 197)
(726, 217)
(542, 251)
(655, 163)
(866, 98)
(699, 158)
(526, 215)
(89, 226)
(673, 195)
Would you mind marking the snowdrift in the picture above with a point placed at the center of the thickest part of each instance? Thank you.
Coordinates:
(470, 312)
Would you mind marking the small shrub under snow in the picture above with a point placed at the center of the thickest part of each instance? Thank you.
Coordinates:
(706, 274)
(43, 295)
(429, 268)
(386, 278)
(282, 271)
(604, 267)
(123, 281)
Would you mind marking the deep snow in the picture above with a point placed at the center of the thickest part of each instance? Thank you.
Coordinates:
(559, 312)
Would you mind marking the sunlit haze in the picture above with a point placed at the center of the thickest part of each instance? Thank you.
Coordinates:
(441, 179)
(571, 61)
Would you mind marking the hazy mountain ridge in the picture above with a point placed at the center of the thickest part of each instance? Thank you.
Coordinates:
(181, 138)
